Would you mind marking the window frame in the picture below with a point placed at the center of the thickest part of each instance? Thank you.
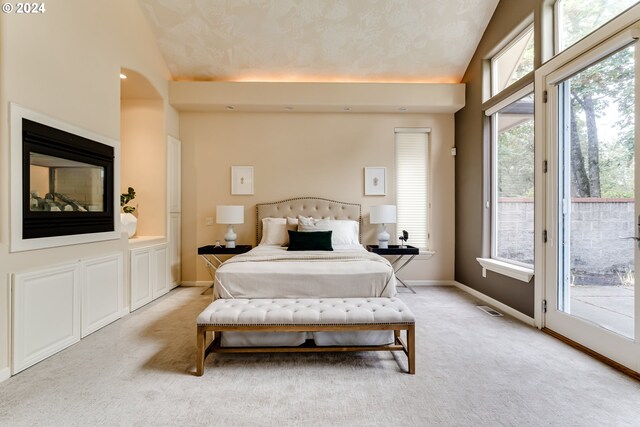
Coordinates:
(495, 102)
(493, 60)
(556, 26)
(493, 181)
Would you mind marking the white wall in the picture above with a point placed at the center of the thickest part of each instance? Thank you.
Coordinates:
(65, 63)
(306, 154)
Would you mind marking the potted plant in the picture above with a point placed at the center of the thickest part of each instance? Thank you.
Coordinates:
(127, 219)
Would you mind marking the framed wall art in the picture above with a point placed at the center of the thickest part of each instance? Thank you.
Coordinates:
(375, 183)
(242, 180)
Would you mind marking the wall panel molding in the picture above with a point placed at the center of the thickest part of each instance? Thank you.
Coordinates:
(102, 292)
(46, 313)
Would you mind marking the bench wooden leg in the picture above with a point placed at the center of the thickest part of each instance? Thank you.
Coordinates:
(411, 344)
(201, 341)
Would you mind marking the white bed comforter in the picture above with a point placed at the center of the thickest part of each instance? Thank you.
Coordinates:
(274, 272)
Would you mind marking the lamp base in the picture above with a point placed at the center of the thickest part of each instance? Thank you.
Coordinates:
(230, 237)
(383, 238)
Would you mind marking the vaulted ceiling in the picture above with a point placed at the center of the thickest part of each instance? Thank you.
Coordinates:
(428, 41)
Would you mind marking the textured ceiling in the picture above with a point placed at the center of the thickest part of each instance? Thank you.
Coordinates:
(318, 40)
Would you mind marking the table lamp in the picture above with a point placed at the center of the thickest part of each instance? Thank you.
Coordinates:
(230, 215)
(383, 214)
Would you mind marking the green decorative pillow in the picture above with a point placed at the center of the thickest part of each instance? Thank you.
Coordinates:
(310, 241)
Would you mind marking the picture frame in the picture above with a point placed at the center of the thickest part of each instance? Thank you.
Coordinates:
(375, 183)
(241, 180)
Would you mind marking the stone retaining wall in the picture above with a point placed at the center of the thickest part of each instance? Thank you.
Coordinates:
(597, 228)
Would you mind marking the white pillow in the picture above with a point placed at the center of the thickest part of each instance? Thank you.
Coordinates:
(292, 223)
(274, 231)
(344, 232)
(312, 224)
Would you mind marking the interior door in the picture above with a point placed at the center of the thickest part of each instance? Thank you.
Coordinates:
(174, 198)
(590, 283)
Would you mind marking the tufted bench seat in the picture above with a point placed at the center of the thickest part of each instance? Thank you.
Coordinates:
(305, 315)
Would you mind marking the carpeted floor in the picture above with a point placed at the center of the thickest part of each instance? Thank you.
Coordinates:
(472, 370)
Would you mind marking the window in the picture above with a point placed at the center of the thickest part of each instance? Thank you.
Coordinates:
(412, 186)
(509, 179)
(512, 182)
(574, 19)
(513, 62)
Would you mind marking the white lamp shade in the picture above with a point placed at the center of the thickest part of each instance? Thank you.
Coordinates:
(230, 214)
(383, 214)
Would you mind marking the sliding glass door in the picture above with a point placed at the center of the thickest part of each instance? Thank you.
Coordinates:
(594, 216)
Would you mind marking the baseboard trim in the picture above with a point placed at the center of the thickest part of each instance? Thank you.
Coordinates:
(496, 304)
(5, 374)
(615, 365)
(413, 283)
(193, 283)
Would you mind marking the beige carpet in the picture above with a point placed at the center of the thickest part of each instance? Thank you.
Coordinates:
(472, 370)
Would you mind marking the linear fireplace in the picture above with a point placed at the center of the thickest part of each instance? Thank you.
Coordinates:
(67, 183)
(67, 179)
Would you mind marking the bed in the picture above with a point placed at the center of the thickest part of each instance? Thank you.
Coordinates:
(271, 271)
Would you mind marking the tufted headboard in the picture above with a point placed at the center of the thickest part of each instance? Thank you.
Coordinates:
(307, 206)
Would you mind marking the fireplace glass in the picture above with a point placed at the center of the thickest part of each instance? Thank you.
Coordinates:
(68, 183)
(63, 185)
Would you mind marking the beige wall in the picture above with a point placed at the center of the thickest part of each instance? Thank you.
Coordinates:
(305, 154)
(65, 63)
(144, 154)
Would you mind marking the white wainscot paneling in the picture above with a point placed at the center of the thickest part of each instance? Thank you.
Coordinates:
(102, 292)
(46, 313)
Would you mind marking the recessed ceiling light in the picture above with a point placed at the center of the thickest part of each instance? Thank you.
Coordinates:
(347, 108)
(402, 108)
(230, 107)
(123, 76)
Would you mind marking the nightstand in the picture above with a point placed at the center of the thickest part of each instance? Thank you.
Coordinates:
(405, 255)
(210, 253)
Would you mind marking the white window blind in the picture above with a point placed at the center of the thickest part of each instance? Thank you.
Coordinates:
(412, 186)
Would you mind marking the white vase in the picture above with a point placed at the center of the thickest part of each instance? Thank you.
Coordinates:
(129, 223)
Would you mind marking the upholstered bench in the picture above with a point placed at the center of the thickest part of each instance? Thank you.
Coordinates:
(306, 315)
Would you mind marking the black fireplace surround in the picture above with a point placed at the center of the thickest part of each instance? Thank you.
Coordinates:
(51, 156)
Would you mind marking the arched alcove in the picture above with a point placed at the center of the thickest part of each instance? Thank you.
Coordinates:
(143, 151)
